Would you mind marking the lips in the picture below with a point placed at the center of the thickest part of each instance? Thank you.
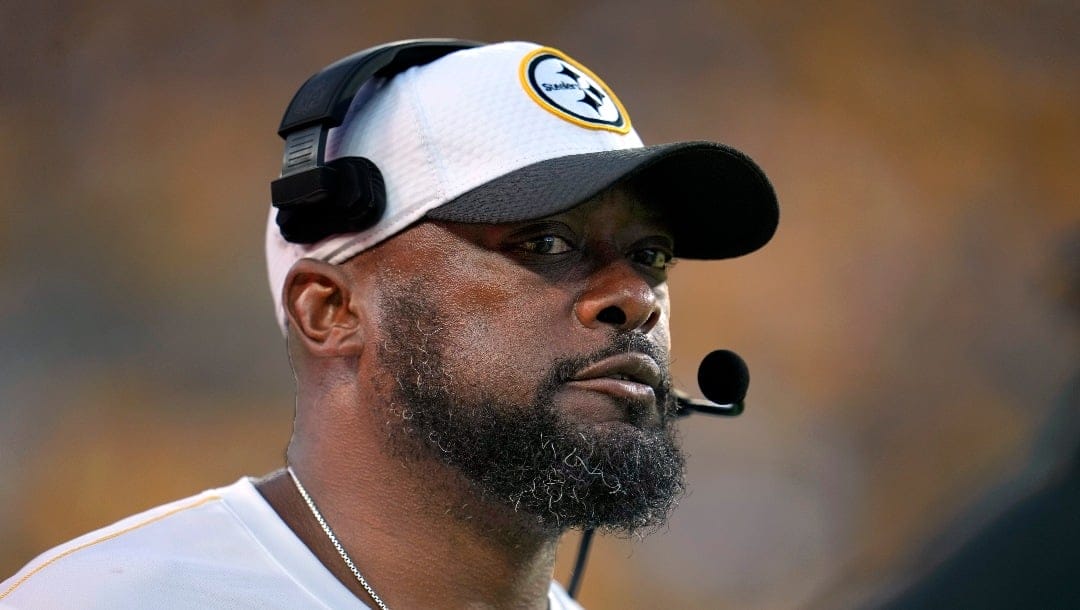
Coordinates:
(635, 368)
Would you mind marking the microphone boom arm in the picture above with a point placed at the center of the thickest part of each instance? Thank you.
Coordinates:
(689, 405)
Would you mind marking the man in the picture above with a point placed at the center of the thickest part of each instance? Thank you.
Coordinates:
(481, 359)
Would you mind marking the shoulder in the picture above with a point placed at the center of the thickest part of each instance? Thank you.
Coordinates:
(189, 552)
(558, 599)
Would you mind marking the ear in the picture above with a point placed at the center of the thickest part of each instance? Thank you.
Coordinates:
(319, 302)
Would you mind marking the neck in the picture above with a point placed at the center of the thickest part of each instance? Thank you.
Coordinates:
(416, 530)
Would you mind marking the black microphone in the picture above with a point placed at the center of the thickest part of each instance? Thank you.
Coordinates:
(723, 379)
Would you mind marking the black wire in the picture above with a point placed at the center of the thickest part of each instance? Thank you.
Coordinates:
(579, 564)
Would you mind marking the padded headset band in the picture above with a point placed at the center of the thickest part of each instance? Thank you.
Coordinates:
(316, 199)
(325, 97)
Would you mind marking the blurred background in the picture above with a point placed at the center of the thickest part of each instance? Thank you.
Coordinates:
(911, 331)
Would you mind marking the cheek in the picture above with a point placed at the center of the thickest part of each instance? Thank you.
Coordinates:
(661, 333)
(506, 328)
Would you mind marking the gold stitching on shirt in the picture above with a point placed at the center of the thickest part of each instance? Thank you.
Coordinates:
(53, 560)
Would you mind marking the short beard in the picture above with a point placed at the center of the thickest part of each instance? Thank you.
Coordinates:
(617, 478)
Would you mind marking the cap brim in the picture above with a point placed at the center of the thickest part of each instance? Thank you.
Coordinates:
(719, 202)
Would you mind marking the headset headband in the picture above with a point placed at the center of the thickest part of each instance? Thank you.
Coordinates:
(316, 199)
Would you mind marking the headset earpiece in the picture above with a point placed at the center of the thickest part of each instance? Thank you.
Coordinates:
(315, 198)
(345, 195)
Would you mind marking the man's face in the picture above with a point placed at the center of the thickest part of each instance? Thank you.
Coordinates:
(533, 357)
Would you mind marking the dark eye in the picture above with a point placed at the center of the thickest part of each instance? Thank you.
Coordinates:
(546, 244)
(654, 258)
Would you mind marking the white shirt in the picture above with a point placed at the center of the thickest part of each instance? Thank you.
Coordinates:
(223, 548)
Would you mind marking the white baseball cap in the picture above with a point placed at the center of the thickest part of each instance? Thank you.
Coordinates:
(516, 131)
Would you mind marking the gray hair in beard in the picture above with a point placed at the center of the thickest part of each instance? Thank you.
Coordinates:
(623, 479)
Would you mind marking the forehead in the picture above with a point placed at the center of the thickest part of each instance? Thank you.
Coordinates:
(619, 213)
(621, 203)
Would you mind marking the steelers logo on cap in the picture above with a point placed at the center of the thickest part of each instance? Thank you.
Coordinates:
(571, 92)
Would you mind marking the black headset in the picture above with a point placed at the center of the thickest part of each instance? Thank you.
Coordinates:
(314, 198)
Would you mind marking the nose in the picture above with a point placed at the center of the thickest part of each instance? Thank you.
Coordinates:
(618, 296)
